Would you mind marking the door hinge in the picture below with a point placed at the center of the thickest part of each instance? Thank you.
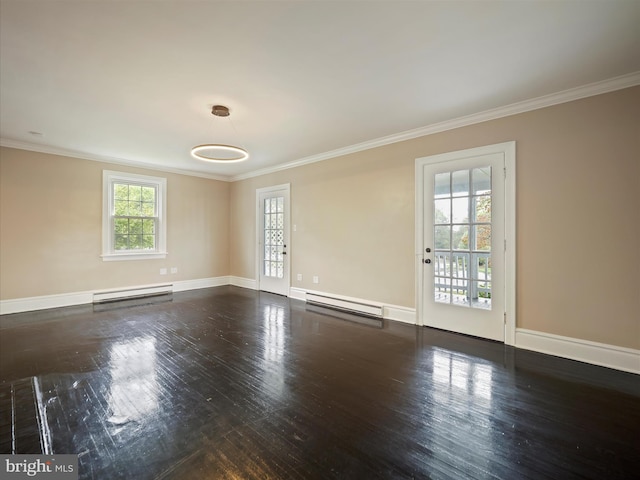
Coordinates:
(505, 318)
(505, 172)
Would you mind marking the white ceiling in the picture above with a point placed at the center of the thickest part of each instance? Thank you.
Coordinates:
(134, 81)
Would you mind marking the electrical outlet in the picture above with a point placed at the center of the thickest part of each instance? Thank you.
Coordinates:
(299, 277)
(316, 279)
(174, 269)
(163, 271)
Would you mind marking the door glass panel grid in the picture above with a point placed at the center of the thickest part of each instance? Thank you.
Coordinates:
(273, 265)
(462, 237)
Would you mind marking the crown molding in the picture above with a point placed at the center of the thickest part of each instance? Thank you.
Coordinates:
(590, 90)
(35, 147)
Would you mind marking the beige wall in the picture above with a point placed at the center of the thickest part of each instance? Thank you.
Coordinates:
(578, 226)
(51, 228)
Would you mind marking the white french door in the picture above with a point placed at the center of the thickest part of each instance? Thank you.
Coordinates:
(273, 239)
(462, 239)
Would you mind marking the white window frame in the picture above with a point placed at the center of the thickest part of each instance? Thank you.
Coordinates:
(110, 177)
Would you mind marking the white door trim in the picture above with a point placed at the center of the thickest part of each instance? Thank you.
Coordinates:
(508, 149)
(259, 191)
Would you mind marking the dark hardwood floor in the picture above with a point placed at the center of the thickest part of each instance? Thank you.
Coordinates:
(233, 383)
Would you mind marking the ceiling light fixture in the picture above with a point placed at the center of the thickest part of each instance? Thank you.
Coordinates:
(216, 152)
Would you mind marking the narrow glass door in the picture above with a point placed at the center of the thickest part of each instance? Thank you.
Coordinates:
(273, 208)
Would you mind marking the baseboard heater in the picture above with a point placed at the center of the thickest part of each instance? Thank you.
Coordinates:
(350, 306)
(131, 293)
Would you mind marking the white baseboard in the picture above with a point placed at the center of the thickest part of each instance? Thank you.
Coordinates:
(298, 293)
(611, 356)
(27, 304)
(184, 285)
(400, 314)
(17, 305)
(243, 282)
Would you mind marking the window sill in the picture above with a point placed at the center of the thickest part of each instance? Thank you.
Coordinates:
(116, 257)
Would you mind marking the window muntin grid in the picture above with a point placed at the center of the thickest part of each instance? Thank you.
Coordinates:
(134, 216)
(273, 237)
(462, 237)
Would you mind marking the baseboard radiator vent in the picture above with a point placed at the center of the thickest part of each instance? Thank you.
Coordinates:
(131, 293)
(350, 306)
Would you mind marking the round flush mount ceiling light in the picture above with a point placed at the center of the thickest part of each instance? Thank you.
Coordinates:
(217, 152)
(214, 152)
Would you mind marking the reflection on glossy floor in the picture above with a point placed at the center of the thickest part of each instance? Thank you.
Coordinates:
(233, 383)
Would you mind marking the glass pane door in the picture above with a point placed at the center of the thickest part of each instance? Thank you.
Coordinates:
(273, 238)
(462, 253)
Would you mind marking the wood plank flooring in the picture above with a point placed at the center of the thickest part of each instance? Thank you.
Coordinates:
(230, 383)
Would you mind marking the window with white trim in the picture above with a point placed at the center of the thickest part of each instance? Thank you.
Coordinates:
(133, 216)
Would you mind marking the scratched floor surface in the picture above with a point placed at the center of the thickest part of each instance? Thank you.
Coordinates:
(232, 383)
